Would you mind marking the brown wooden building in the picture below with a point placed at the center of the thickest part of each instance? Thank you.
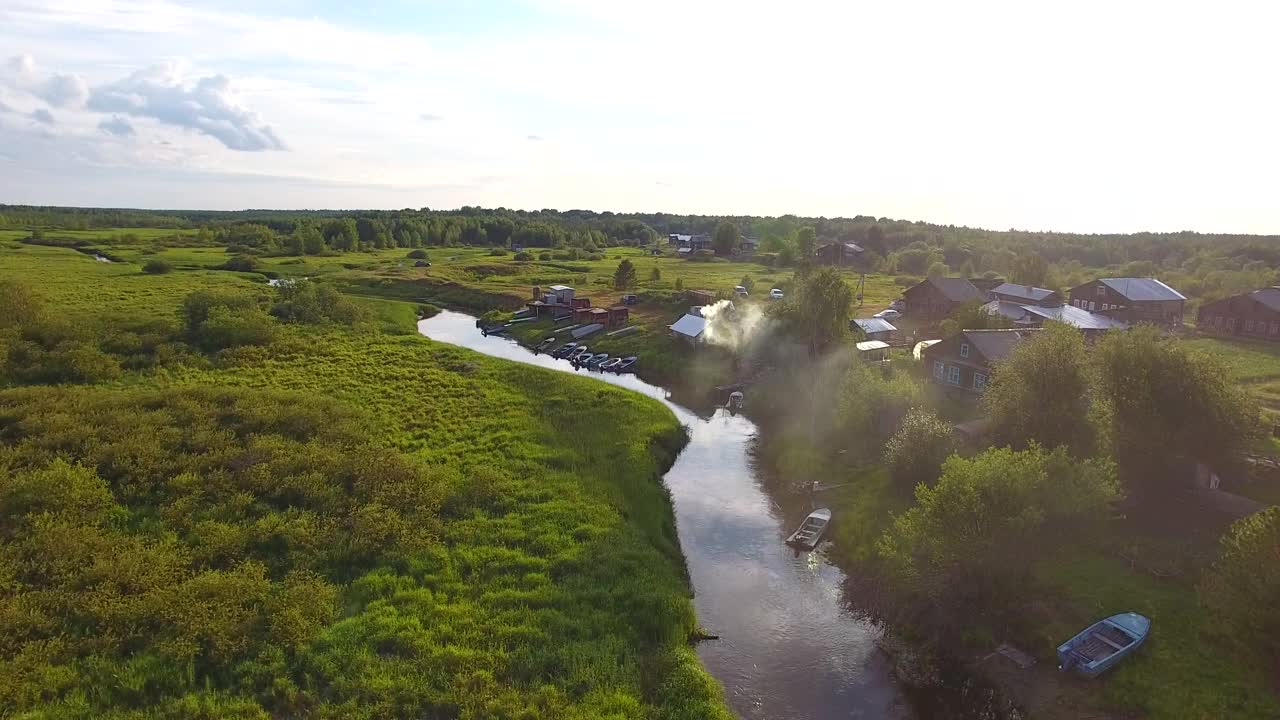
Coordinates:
(1132, 300)
(840, 254)
(1255, 314)
(937, 297)
(964, 360)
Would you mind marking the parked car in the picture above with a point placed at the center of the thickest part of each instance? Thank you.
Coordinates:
(898, 305)
(739, 291)
(888, 315)
(775, 294)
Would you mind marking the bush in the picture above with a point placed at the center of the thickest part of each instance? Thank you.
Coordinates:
(304, 301)
(1243, 588)
(594, 257)
(418, 254)
(197, 306)
(228, 327)
(544, 256)
(242, 263)
(498, 252)
(156, 266)
(523, 256)
(915, 453)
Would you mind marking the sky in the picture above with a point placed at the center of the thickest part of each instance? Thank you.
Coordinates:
(1116, 116)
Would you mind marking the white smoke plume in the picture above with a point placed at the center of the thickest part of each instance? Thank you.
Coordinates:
(733, 326)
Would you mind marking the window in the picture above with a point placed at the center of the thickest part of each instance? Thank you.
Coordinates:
(979, 381)
(939, 370)
(964, 350)
(953, 374)
(1231, 324)
(1091, 305)
(1248, 325)
(1102, 291)
(1275, 328)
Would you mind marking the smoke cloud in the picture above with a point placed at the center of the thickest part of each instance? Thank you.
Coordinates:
(734, 327)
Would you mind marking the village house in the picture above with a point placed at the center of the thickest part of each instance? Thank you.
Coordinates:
(965, 360)
(689, 328)
(1026, 295)
(556, 301)
(1132, 300)
(840, 254)
(700, 297)
(873, 329)
(937, 297)
(1034, 316)
(689, 243)
(1254, 314)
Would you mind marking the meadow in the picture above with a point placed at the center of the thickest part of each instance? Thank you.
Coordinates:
(352, 521)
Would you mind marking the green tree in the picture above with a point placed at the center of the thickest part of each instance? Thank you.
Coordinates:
(156, 266)
(726, 239)
(1167, 407)
(1041, 393)
(1243, 587)
(818, 309)
(787, 255)
(655, 274)
(1029, 269)
(679, 284)
(747, 283)
(915, 453)
(625, 275)
(938, 269)
(969, 542)
(21, 306)
(806, 244)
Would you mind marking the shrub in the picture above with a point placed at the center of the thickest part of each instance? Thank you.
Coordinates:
(544, 256)
(1243, 588)
(523, 256)
(229, 327)
(156, 266)
(304, 301)
(498, 252)
(594, 257)
(242, 263)
(418, 254)
(917, 450)
(197, 305)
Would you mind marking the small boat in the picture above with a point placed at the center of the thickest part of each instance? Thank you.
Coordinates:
(595, 362)
(1103, 644)
(627, 365)
(735, 399)
(610, 364)
(810, 532)
(577, 353)
(579, 360)
(564, 350)
(545, 345)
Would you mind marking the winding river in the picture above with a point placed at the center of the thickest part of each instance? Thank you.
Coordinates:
(788, 647)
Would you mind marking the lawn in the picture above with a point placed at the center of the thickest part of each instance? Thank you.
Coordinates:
(554, 587)
(1254, 363)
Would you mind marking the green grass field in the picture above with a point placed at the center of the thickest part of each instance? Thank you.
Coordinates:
(554, 588)
(1255, 363)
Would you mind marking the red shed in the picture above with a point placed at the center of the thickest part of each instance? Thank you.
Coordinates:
(618, 315)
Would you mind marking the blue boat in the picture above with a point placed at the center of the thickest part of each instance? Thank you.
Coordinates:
(1103, 644)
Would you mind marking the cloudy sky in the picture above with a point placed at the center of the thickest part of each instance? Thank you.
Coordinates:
(1088, 116)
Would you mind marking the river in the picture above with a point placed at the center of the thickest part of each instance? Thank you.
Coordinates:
(788, 647)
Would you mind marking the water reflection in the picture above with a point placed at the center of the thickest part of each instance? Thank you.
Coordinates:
(788, 649)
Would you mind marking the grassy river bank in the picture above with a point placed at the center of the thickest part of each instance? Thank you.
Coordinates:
(342, 520)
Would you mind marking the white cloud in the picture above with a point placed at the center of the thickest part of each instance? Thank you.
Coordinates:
(117, 126)
(209, 106)
(64, 91)
(43, 116)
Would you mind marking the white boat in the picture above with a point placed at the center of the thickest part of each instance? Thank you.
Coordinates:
(810, 532)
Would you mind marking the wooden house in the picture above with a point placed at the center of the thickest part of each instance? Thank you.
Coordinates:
(873, 328)
(840, 254)
(1132, 300)
(1026, 295)
(700, 297)
(1254, 314)
(937, 297)
(964, 360)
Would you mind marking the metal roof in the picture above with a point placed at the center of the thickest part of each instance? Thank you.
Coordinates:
(558, 288)
(1028, 292)
(871, 345)
(956, 289)
(996, 345)
(1137, 289)
(1269, 297)
(689, 326)
(874, 325)
(1076, 317)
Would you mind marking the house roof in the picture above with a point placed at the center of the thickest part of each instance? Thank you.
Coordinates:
(1008, 309)
(1076, 317)
(1138, 289)
(689, 326)
(995, 345)
(558, 288)
(921, 346)
(871, 345)
(1035, 294)
(874, 325)
(955, 289)
(1268, 297)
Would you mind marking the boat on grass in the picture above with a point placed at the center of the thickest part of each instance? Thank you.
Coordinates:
(545, 345)
(1103, 644)
(627, 365)
(564, 350)
(595, 362)
(810, 532)
(610, 364)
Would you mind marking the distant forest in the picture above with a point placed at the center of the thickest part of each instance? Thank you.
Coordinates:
(1204, 266)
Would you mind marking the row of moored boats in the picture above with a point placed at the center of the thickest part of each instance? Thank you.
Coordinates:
(582, 357)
